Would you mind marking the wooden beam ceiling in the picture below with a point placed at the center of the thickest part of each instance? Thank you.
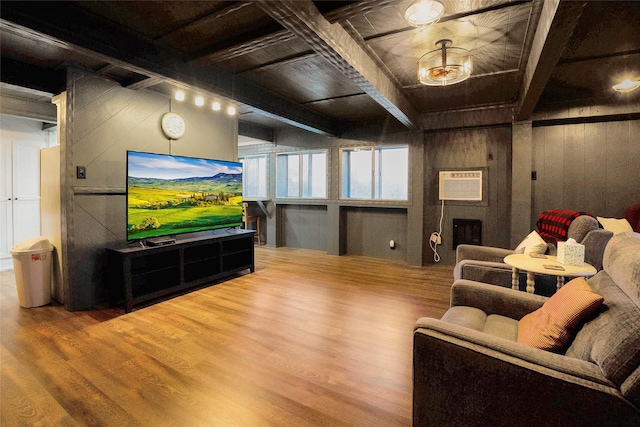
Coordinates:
(339, 48)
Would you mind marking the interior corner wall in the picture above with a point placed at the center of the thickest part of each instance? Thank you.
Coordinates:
(103, 121)
(487, 148)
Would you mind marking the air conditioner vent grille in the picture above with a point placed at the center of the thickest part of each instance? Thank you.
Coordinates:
(460, 185)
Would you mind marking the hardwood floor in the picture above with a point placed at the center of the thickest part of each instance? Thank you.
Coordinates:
(309, 339)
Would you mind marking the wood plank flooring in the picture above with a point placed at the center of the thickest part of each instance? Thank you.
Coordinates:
(309, 339)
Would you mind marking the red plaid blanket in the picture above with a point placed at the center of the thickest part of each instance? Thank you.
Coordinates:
(553, 224)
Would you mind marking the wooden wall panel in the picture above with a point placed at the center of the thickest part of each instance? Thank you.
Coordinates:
(483, 148)
(552, 176)
(595, 149)
(589, 167)
(369, 231)
(103, 121)
(304, 226)
(618, 191)
(573, 177)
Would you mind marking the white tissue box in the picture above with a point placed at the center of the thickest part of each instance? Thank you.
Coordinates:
(570, 254)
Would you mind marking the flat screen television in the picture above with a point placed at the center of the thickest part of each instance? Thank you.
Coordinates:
(170, 195)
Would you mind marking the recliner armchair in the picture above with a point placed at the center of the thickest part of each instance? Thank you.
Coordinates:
(486, 263)
(469, 370)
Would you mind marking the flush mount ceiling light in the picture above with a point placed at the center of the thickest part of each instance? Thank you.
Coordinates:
(444, 66)
(627, 85)
(424, 12)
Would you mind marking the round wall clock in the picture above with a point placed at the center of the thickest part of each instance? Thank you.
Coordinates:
(173, 125)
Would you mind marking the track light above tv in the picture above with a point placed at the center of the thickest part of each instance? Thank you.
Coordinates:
(200, 100)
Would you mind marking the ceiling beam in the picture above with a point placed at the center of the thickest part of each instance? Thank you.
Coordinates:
(243, 48)
(557, 21)
(14, 106)
(87, 34)
(337, 46)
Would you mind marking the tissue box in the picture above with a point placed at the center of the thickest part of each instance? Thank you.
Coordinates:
(570, 254)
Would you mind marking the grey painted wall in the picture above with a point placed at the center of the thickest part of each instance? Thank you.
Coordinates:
(304, 226)
(592, 167)
(335, 225)
(103, 121)
(487, 149)
(369, 231)
(579, 166)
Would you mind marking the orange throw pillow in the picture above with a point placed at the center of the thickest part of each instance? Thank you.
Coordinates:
(550, 327)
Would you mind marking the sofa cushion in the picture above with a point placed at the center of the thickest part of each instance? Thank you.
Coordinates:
(533, 244)
(551, 326)
(615, 225)
(476, 319)
(612, 338)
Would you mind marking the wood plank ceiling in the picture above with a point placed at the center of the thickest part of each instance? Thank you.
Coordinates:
(326, 66)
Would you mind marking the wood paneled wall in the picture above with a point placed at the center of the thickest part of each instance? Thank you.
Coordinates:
(103, 121)
(487, 149)
(589, 166)
(369, 231)
(592, 167)
(304, 226)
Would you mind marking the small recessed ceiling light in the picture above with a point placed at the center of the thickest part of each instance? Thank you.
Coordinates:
(215, 106)
(199, 101)
(231, 110)
(179, 95)
(627, 85)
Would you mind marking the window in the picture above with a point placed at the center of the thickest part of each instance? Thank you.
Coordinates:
(302, 175)
(254, 176)
(375, 173)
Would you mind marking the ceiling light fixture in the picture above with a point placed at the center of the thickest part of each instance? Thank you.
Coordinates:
(199, 101)
(424, 12)
(215, 106)
(444, 66)
(231, 110)
(180, 96)
(627, 85)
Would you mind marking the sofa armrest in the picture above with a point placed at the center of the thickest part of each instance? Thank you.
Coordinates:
(466, 377)
(481, 253)
(494, 299)
(496, 273)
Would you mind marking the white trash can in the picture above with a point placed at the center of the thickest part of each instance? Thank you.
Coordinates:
(32, 264)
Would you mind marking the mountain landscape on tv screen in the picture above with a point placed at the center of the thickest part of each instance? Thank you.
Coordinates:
(159, 207)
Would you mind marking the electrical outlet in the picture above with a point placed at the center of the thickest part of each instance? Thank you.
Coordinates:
(435, 238)
(392, 244)
(81, 172)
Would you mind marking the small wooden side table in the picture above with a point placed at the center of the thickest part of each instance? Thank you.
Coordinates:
(547, 265)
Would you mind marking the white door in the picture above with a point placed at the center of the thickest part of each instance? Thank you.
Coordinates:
(20, 215)
(26, 190)
(6, 205)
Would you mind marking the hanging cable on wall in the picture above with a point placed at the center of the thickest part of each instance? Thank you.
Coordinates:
(436, 237)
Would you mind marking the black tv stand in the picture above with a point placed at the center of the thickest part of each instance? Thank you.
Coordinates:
(145, 273)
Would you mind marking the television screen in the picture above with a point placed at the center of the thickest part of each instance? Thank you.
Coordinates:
(168, 195)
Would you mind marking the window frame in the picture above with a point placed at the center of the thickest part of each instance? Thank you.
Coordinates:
(376, 173)
(266, 175)
(301, 187)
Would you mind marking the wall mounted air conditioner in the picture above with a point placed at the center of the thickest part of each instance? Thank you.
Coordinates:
(461, 185)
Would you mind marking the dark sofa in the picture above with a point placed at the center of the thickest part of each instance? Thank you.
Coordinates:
(469, 369)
